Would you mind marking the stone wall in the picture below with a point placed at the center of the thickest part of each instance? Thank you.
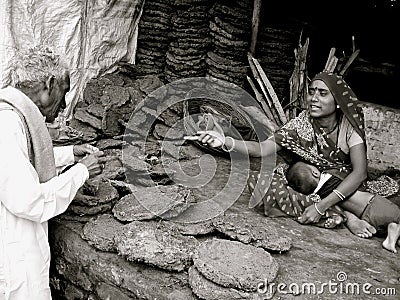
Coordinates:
(79, 271)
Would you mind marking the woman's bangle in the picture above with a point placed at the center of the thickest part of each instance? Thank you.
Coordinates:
(339, 194)
(318, 211)
(231, 148)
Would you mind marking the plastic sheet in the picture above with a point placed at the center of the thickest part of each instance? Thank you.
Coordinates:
(91, 35)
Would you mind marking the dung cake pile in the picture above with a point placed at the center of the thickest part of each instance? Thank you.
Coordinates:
(230, 28)
(152, 44)
(97, 196)
(108, 103)
(275, 44)
(189, 40)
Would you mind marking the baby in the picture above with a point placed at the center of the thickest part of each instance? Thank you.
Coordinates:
(380, 212)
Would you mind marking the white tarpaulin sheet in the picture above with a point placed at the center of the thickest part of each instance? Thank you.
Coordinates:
(91, 35)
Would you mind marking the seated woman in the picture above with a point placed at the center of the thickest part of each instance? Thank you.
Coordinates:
(329, 134)
(379, 211)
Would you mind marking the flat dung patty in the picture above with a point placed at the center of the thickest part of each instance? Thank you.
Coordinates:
(151, 203)
(155, 244)
(256, 230)
(206, 289)
(100, 232)
(234, 264)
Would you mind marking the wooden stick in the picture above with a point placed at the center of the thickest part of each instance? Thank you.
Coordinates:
(298, 80)
(353, 56)
(332, 64)
(264, 91)
(255, 25)
(261, 100)
(304, 78)
(271, 92)
(328, 61)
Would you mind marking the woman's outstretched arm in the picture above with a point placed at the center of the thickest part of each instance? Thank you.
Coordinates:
(252, 148)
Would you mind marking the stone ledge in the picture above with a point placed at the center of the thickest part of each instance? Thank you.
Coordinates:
(79, 271)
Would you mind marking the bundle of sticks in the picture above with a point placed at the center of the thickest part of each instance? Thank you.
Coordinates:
(332, 65)
(299, 79)
(267, 98)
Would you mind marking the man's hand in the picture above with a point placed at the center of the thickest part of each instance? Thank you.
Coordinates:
(81, 150)
(94, 162)
(212, 138)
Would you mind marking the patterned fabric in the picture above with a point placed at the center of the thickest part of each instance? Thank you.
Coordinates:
(384, 186)
(303, 139)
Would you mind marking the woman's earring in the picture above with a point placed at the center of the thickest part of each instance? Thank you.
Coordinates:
(337, 106)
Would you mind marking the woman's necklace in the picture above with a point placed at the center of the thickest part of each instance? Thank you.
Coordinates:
(332, 130)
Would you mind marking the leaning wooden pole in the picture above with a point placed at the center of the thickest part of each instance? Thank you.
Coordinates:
(255, 25)
(261, 101)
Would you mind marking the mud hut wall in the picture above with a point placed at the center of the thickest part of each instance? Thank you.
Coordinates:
(382, 126)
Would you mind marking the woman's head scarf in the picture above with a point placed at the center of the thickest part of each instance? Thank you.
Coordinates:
(346, 99)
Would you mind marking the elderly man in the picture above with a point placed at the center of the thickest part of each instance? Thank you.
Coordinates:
(31, 191)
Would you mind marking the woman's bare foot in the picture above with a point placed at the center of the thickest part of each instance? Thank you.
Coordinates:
(393, 235)
(359, 227)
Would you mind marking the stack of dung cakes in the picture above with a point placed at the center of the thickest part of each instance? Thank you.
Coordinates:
(226, 270)
(230, 28)
(154, 27)
(189, 38)
(226, 69)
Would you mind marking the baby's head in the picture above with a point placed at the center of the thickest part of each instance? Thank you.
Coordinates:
(303, 177)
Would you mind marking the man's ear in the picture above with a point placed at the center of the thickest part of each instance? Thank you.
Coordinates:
(50, 83)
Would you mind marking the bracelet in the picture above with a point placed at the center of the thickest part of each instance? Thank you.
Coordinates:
(339, 194)
(232, 147)
(318, 211)
(314, 197)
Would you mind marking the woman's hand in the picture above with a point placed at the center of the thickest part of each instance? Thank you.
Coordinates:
(212, 138)
(310, 215)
